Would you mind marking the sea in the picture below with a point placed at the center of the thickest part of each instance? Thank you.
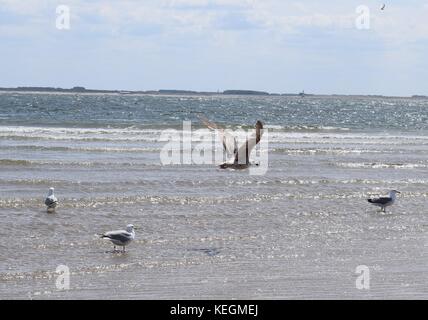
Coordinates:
(301, 229)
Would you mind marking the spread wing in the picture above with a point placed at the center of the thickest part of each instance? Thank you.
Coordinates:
(230, 145)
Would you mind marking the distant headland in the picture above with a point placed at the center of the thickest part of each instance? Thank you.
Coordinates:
(79, 90)
(160, 92)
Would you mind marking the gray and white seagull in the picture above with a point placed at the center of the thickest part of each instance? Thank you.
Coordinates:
(120, 237)
(384, 202)
(51, 201)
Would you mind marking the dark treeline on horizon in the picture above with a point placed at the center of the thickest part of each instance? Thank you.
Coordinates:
(79, 89)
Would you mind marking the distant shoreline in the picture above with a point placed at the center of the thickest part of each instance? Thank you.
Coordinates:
(82, 90)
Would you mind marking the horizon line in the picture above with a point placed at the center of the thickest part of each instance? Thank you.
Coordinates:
(247, 92)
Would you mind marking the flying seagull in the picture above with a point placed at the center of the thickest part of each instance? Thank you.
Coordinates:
(51, 201)
(383, 7)
(239, 158)
(120, 237)
(384, 202)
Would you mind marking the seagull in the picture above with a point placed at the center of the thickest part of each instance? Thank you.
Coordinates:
(120, 237)
(51, 201)
(239, 158)
(383, 7)
(384, 202)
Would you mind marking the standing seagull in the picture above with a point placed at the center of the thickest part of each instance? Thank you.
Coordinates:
(120, 237)
(51, 201)
(384, 202)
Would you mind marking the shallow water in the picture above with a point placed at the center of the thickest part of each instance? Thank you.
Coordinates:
(298, 231)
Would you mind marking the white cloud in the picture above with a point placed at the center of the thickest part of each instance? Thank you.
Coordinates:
(400, 23)
(27, 7)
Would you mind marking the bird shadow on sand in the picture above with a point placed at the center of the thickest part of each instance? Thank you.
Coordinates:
(380, 215)
(49, 211)
(208, 251)
(117, 252)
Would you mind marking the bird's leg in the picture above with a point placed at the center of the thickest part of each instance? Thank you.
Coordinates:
(123, 250)
(114, 248)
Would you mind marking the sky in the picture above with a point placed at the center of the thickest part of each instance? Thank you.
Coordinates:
(277, 46)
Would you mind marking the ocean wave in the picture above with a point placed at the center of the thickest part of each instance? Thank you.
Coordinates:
(380, 165)
(81, 149)
(18, 163)
(13, 162)
(308, 128)
(328, 151)
(207, 183)
(155, 135)
(103, 268)
(132, 200)
(123, 201)
(277, 128)
(347, 139)
(77, 138)
(157, 149)
(84, 134)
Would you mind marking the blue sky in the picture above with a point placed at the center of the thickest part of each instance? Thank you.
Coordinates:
(272, 45)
